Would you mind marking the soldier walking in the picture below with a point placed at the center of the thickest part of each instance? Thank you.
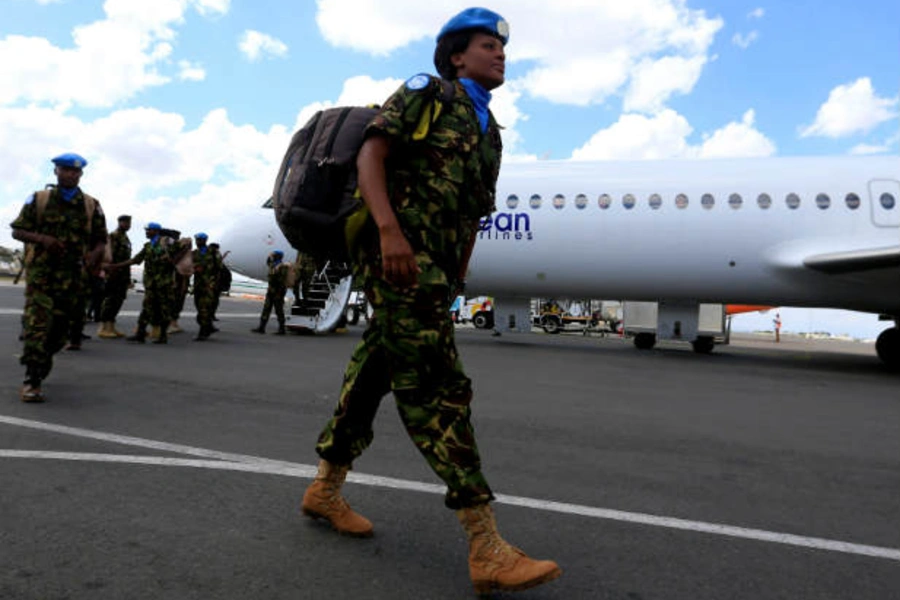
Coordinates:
(426, 199)
(278, 280)
(64, 229)
(117, 280)
(160, 253)
(207, 265)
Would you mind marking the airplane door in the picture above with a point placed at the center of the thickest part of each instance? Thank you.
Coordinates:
(885, 197)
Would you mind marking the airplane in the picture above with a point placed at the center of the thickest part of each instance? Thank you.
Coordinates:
(817, 232)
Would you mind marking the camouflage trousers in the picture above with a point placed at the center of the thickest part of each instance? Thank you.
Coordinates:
(409, 349)
(114, 295)
(274, 299)
(204, 302)
(50, 310)
(157, 307)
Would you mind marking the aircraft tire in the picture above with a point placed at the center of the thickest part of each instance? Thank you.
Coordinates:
(644, 341)
(888, 347)
(704, 345)
(353, 319)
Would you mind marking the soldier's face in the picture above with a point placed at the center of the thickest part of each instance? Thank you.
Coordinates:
(68, 177)
(483, 61)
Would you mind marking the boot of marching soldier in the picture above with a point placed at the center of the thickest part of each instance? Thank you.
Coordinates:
(495, 565)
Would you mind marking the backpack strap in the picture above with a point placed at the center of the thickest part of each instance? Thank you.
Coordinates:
(432, 111)
(42, 198)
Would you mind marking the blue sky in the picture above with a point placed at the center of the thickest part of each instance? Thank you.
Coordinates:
(184, 107)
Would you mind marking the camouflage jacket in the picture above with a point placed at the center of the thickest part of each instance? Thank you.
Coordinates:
(67, 222)
(207, 266)
(441, 186)
(278, 276)
(159, 259)
(120, 251)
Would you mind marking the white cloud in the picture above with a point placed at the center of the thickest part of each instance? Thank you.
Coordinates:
(654, 81)
(665, 135)
(110, 60)
(255, 45)
(756, 13)
(190, 72)
(584, 61)
(743, 41)
(737, 140)
(145, 162)
(850, 109)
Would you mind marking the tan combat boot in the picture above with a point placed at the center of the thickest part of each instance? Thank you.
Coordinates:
(154, 332)
(323, 500)
(174, 328)
(116, 332)
(106, 331)
(494, 565)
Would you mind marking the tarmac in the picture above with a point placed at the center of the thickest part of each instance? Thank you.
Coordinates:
(761, 471)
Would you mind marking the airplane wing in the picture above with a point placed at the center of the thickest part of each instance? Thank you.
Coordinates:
(856, 260)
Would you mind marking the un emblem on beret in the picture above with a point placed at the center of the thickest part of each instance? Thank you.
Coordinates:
(417, 82)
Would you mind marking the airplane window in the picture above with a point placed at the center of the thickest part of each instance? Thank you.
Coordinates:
(735, 201)
(707, 201)
(535, 201)
(887, 201)
(681, 201)
(512, 201)
(764, 201)
(628, 201)
(823, 201)
(655, 201)
(604, 201)
(559, 201)
(852, 201)
(581, 200)
(792, 200)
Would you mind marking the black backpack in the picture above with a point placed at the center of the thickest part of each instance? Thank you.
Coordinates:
(316, 188)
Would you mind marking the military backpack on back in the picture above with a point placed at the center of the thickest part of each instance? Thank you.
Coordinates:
(316, 194)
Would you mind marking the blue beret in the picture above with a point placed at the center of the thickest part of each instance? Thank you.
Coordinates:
(477, 18)
(201, 236)
(153, 226)
(277, 253)
(70, 159)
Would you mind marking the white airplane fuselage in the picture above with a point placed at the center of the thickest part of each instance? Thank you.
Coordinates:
(735, 249)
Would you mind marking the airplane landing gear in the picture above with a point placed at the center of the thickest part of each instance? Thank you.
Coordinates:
(888, 347)
(704, 344)
(644, 341)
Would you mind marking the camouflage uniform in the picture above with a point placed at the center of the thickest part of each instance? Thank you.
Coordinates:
(207, 264)
(440, 188)
(278, 274)
(119, 280)
(159, 283)
(305, 268)
(54, 283)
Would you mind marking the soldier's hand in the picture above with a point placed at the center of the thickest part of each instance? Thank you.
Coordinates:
(52, 245)
(398, 260)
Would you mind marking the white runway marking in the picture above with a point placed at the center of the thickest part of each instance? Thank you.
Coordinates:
(227, 461)
(136, 313)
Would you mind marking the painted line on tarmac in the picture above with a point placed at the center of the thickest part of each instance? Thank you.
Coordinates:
(227, 461)
(135, 313)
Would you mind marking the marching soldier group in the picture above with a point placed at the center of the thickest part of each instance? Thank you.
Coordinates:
(67, 246)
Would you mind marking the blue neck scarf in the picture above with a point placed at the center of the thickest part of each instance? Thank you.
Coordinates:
(154, 240)
(480, 98)
(203, 249)
(67, 194)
